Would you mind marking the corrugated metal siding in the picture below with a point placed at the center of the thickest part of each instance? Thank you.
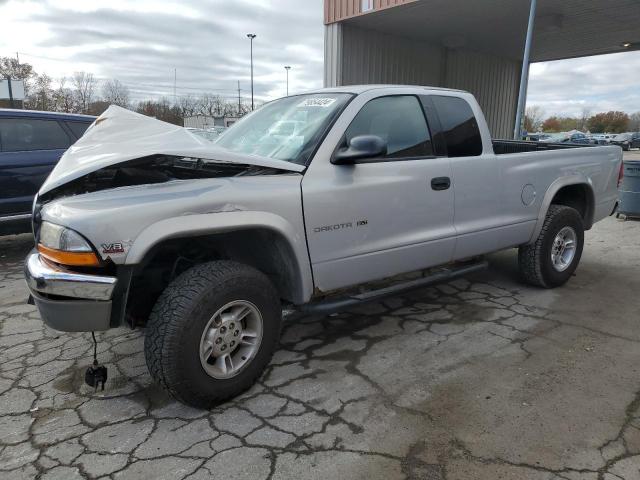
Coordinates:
(358, 56)
(494, 82)
(372, 57)
(333, 55)
(380, 4)
(336, 10)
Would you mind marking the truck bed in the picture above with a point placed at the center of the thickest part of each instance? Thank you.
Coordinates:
(502, 147)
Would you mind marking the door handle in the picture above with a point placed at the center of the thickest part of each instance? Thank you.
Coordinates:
(441, 183)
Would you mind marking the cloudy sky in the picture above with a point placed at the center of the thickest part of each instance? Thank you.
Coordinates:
(141, 42)
(594, 84)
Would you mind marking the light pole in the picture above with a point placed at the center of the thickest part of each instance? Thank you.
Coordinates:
(251, 36)
(287, 68)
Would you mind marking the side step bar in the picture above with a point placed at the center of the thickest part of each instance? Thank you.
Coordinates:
(333, 305)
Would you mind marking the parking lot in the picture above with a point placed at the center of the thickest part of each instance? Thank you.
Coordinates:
(632, 155)
(481, 378)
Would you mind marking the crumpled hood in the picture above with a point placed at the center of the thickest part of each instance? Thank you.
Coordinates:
(120, 135)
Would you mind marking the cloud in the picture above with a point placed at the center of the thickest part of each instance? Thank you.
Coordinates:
(141, 43)
(594, 84)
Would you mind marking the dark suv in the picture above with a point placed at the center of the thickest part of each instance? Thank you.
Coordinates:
(31, 143)
(627, 140)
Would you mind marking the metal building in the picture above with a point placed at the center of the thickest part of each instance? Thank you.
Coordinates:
(474, 45)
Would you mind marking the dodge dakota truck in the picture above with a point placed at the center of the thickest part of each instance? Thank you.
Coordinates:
(369, 191)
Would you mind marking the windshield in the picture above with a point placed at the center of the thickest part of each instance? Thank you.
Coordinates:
(287, 129)
(622, 136)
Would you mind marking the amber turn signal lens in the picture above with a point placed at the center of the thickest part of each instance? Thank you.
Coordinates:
(78, 259)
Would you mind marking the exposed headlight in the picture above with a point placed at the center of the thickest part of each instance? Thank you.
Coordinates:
(61, 238)
(65, 246)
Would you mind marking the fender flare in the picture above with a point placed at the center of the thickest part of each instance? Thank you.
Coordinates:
(219, 222)
(551, 192)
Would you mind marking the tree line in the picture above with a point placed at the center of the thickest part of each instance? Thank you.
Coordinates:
(82, 92)
(604, 122)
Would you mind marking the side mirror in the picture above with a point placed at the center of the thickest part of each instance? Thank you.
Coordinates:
(362, 146)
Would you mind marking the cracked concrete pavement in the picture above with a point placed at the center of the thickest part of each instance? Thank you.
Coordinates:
(480, 378)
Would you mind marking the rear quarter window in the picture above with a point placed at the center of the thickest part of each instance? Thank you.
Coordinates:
(27, 134)
(78, 128)
(459, 126)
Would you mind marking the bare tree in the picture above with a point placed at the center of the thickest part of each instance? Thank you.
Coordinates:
(63, 97)
(115, 93)
(244, 109)
(583, 122)
(10, 67)
(634, 122)
(215, 106)
(534, 118)
(189, 106)
(84, 88)
(41, 97)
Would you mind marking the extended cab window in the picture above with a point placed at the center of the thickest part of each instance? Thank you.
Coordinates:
(399, 121)
(459, 126)
(24, 134)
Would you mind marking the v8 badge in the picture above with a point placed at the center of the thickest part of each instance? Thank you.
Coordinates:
(108, 248)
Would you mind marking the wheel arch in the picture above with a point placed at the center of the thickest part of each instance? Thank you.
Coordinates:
(263, 240)
(576, 192)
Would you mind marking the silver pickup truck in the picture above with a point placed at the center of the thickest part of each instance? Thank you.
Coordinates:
(311, 204)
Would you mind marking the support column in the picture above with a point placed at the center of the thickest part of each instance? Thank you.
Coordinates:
(524, 77)
(333, 55)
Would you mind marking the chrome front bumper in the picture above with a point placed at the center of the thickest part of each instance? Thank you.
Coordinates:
(49, 279)
(69, 301)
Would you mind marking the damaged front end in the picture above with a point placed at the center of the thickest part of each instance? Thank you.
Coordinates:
(124, 148)
(120, 139)
(126, 174)
(153, 169)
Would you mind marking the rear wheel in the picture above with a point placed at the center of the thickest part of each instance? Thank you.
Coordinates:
(552, 259)
(212, 332)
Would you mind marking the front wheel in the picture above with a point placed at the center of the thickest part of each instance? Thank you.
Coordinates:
(212, 332)
(552, 259)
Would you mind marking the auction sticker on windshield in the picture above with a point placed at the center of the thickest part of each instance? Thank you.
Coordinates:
(317, 102)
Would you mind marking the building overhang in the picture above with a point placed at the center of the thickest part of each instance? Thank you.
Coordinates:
(563, 29)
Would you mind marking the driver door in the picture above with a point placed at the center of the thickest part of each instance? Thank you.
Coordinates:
(380, 216)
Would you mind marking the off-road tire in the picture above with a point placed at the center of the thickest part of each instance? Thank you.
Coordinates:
(177, 321)
(535, 262)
